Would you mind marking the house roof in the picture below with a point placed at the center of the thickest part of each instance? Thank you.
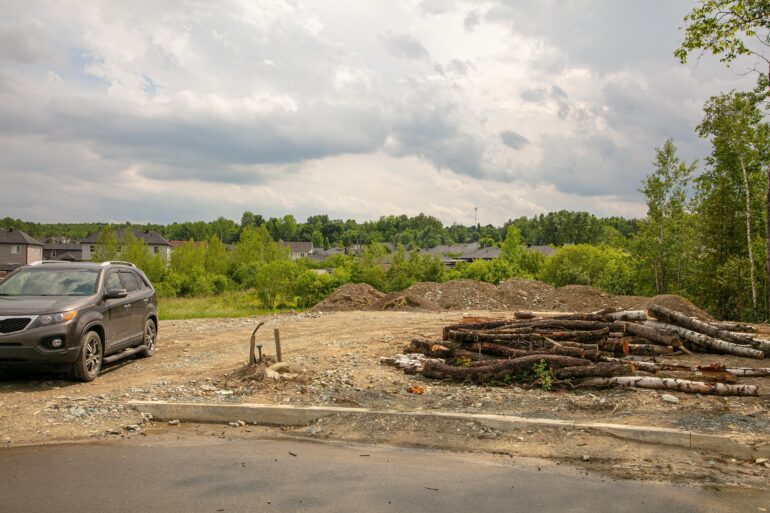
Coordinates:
(545, 250)
(487, 253)
(454, 249)
(13, 236)
(71, 256)
(300, 246)
(149, 237)
(62, 247)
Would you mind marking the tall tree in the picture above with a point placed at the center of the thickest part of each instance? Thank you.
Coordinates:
(730, 29)
(661, 243)
(733, 123)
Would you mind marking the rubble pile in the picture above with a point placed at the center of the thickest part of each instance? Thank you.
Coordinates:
(601, 349)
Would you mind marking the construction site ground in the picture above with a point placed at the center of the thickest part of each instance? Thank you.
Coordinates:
(333, 359)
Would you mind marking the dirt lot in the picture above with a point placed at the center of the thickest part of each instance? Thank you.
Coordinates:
(335, 360)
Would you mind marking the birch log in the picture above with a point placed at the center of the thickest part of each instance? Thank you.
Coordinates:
(680, 385)
(705, 341)
(666, 314)
(627, 315)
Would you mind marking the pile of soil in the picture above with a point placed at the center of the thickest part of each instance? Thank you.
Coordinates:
(462, 294)
(679, 304)
(351, 296)
(513, 294)
(521, 294)
(403, 301)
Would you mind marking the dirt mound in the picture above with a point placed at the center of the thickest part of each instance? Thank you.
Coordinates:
(459, 294)
(351, 296)
(679, 304)
(513, 294)
(521, 294)
(402, 301)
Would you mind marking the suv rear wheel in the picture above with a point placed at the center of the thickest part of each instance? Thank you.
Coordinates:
(89, 361)
(150, 338)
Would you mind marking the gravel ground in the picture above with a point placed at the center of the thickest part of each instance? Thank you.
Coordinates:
(333, 358)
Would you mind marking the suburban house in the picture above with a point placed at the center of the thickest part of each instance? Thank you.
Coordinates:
(299, 249)
(70, 252)
(155, 242)
(452, 254)
(17, 249)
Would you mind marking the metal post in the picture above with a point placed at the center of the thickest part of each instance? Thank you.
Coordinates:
(252, 344)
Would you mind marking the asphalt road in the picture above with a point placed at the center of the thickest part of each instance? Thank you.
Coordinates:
(289, 476)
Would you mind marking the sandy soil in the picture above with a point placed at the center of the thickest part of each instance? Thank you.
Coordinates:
(334, 358)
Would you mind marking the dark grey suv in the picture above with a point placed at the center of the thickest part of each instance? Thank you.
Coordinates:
(76, 316)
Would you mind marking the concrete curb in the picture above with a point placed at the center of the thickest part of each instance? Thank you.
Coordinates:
(287, 415)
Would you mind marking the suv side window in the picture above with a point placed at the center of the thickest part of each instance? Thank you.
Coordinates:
(113, 282)
(130, 281)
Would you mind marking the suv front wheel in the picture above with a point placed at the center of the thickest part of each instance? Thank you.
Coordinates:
(89, 362)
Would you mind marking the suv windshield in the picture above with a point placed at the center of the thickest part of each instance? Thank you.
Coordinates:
(50, 282)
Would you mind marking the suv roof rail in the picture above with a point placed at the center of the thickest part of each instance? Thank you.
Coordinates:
(41, 262)
(117, 262)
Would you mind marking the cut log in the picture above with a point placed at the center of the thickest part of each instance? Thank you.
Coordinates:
(705, 341)
(434, 369)
(696, 375)
(428, 348)
(748, 371)
(558, 324)
(681, 385)
(509, 352)
(577, 335)
(476, 325)
(679, 319)
(524, 315)
(627, 315)
(657, 336)
(734, 326)
(602, 369)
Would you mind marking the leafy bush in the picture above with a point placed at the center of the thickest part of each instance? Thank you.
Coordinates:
(608, 268)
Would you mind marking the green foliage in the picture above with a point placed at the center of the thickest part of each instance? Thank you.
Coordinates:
(604, 267)
(106, 245)
(664, 246)
(723, 27)
(543, 372)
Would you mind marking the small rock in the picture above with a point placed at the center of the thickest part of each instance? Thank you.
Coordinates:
(132, 427)
(586, 457)
(760, 461)
(670, 398)
(174, 422)
(280, 367)
(271, 374)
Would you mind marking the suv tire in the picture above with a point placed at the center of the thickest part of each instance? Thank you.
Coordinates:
(89, 362)
(150, 338)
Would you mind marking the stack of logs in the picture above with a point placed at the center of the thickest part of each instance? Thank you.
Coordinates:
(598, 349)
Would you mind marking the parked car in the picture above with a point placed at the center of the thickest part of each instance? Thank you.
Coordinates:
(76, 317)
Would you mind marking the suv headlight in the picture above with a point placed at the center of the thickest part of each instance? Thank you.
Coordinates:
(56, 318)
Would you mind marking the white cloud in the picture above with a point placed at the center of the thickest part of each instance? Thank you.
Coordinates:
(188, 110)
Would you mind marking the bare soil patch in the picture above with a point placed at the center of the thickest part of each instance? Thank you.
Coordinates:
(351, 296)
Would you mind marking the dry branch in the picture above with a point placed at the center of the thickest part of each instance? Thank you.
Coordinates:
(498, 370)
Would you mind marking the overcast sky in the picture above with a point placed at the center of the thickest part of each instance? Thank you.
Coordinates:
(174, 110)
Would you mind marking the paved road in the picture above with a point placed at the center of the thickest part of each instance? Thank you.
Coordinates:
(264, 475)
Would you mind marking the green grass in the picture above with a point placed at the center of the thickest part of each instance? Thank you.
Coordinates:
(229, 304)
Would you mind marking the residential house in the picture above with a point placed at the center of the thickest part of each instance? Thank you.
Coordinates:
(452, 254)
(300, 249)
(18, 249)
(155, 242)
(70, 252)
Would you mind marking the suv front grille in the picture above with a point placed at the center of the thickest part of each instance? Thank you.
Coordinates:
(13, 324)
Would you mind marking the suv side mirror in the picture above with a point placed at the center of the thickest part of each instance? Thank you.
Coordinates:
(116, 293)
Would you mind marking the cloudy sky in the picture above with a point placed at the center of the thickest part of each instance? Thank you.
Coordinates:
(183, 110)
